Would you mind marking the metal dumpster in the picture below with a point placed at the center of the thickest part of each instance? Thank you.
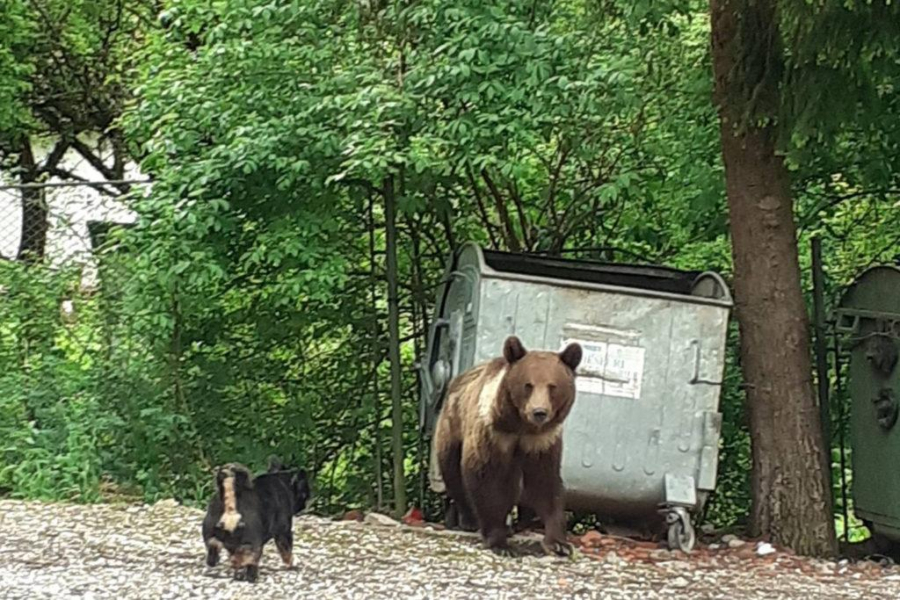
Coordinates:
(868, 319)
(642, 440)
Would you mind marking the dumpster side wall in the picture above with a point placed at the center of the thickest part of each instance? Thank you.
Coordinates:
(648, 386)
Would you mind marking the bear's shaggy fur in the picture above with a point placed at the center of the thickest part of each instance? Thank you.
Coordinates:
(498, 441)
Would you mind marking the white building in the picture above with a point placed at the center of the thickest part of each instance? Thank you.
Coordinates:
(70, 208)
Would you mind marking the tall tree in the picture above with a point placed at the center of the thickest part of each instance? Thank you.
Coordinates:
(513, 123)
(63, 69)
(791, 500)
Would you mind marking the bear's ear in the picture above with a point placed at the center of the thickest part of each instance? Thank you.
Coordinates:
(571, 356)
(513, 350)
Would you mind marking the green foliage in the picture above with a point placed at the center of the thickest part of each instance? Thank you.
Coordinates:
(843, 63)
(63, 64)
(245, 312)
(15, 38)
(56, 436)
(522, 129)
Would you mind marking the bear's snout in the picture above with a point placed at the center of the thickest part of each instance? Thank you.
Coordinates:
(539, 415)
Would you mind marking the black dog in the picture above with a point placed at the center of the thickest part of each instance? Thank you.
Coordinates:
(247, 512)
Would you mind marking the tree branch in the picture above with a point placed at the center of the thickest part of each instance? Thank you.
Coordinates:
(833, 201)
(485, 219)
(509, 234)
(56, 155)
(97, 163)
(523, 216)
(103, 189)
(555, 172)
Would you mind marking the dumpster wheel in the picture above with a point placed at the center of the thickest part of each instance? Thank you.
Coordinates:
(681, 534)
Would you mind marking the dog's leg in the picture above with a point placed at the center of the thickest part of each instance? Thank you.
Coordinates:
(285, 544)
(213, 548)
(245, 562)
(253, 565)
(238, 558)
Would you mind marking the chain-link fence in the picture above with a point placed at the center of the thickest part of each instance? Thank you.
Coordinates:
(123, 373)
(51, 223)
(112, 383)
(58, 412)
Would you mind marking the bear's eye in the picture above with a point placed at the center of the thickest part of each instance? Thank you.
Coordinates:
(552, 388)
(528, 387)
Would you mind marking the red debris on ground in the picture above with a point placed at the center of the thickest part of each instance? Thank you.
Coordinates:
(752, 556)
(413, 518)
(591, 538)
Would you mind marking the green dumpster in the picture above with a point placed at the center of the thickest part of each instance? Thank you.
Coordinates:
(868, 320)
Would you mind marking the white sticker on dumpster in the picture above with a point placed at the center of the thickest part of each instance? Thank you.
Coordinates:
(609, 369)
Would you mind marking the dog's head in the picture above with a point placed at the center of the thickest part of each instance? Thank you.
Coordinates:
(298, 481)
(240, 476)
(232, 481)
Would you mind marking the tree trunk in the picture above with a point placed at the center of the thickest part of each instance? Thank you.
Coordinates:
(792, 504)
(390, 215)
(33, 239)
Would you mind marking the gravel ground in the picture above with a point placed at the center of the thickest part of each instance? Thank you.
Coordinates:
(69, 551)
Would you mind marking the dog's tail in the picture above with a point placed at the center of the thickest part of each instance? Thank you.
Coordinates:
(275, 464)
(231, 480)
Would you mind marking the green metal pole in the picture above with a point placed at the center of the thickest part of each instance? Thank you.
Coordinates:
(390, 214)
(842, 426)
(821, 348)
(376, 359)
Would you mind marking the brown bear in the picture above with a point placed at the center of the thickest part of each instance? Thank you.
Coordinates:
(498, 441)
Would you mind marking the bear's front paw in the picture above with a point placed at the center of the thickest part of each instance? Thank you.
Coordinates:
(498, 543)
(557, 548)
(505, 550)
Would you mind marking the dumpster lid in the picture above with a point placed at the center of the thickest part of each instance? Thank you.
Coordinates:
(875, 290)
(647, 277)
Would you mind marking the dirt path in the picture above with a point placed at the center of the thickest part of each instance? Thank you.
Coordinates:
(65, 551)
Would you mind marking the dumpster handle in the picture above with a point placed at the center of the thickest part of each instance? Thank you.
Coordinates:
(423, 366)
(425, 375)
(695, 378)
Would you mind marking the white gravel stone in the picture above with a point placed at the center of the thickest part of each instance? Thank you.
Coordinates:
(380, 519)
(56, 551)
(765, 549)
(679, 583)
